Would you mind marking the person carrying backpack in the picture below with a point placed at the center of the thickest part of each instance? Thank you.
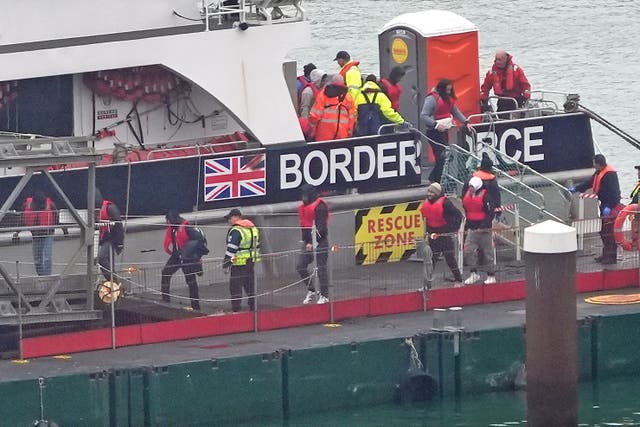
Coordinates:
(374, 109)
(186, 245)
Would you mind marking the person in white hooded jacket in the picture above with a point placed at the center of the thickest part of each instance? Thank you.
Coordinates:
(308, 94)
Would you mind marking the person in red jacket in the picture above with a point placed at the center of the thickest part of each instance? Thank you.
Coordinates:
(314, 211)
(111, 237)
(391, 86)
(438, 111)
(441, 219)
(185, 245)
(508, 81)
(479, 207)
(40, 211)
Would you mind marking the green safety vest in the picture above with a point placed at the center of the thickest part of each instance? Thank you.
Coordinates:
(249, 245)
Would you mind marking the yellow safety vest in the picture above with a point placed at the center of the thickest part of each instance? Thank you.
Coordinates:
(249, 245)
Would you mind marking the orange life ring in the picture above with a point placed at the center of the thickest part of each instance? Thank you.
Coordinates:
(628, 212)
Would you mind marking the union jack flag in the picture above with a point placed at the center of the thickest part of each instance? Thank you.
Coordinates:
(234, 177)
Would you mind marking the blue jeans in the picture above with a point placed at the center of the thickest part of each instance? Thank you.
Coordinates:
(42, 254)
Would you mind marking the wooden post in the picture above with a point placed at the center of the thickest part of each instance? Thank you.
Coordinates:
(552, 347)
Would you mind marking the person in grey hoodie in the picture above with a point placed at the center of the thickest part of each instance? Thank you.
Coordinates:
(308, 94)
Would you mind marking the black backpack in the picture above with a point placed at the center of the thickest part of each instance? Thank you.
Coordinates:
(197, 246)
(369, 117)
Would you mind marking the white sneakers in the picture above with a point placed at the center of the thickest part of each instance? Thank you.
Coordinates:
(475, 277)
(310, 296)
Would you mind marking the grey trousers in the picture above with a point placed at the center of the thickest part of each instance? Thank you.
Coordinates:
(479, 242)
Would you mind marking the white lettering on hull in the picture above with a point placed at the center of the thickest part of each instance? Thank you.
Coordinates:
(530, 142)
(385, 160)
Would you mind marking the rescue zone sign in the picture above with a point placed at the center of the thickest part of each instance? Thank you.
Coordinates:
(387, 234)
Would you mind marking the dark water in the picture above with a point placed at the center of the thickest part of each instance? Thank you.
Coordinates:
(583, 46)
(609, 403)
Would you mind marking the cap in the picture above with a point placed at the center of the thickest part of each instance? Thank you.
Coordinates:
(475, 182)
(435, 188)
(342, 55)
(233, 212)
(637, 167)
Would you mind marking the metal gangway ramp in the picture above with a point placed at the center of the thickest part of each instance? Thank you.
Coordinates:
(69, 295)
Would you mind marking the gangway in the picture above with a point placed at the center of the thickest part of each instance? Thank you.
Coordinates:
(66, 296)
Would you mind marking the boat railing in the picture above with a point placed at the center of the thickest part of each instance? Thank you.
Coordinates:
(537, 196)
(243, 13)
(525, 112)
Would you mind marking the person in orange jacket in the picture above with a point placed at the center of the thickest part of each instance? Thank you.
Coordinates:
(333, 115)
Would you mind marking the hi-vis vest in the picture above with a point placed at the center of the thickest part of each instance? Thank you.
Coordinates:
(249, 244)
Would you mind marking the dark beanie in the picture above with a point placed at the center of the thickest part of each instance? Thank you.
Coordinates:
(307, 69)
(486, 164)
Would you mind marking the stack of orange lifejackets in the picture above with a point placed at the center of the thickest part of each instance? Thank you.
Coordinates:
(150, 84)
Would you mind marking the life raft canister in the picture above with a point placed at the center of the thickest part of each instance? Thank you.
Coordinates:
(630, 212)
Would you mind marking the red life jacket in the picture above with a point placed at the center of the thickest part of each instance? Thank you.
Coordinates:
(45, 217)
(443, 108)
(104, 216)
(474, 205)
(433, 213)
(305, 84)
(182, 237)
(307, 213)
(393, 91)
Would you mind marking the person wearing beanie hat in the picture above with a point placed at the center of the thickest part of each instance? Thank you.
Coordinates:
(314, 211)
(486, 164)
(305, 77)
(479, 209)
(441, 220)
(308, 94)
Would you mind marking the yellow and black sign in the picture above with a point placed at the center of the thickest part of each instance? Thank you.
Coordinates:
(387, 234)
(399, 50)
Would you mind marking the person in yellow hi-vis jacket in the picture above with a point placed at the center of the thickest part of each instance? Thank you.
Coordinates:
(350, 72)
(374, 109)
(243, 251)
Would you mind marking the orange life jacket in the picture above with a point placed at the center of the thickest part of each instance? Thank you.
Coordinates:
(597, 179)
(332, 118)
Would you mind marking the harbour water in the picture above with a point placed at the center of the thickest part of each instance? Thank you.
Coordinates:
(609, 403)
(580, 46)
